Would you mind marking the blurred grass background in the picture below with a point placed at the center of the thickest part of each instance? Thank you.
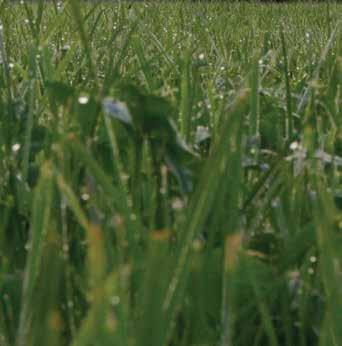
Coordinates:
(170, 174)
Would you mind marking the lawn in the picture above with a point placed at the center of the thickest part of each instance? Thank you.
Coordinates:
(170, 174)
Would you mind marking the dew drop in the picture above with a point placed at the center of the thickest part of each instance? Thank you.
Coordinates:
(275, 203)
(16, 147)
(66, 47)
(313, 194)
(311, 271)
(313, 259)
(83, 100)
(294, 145)
(85, 197)
(264, 167)
(177, 204)
(115, 300)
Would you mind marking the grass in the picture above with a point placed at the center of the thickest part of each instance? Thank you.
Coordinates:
(170, 174)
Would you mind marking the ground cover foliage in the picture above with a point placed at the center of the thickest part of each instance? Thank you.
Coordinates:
(170, 174)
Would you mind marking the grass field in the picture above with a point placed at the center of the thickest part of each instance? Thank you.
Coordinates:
(170, 174)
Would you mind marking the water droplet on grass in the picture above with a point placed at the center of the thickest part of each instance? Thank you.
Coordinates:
(66, 47)
(311, 271)
(275, 203)
(115, 300)
(177, 204)
(294, 145)
(83, 100)
(313, 259)
(85, 197)
(264, 167)
(313, 194)
(16, 147)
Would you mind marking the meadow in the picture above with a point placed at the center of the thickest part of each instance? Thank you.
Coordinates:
(170, 174)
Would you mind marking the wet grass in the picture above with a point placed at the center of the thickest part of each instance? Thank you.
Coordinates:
(170, 174)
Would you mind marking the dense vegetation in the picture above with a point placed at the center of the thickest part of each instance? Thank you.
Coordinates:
(170, 174)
